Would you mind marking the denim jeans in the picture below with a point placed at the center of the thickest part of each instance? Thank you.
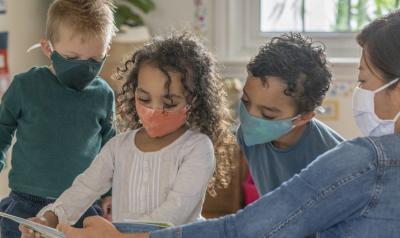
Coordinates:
(352, 190)
(26, 206)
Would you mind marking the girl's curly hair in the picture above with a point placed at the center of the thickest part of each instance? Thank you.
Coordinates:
(205, 93)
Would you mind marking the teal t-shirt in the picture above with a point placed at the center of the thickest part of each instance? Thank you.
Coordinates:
(270, 166)
(59, 131)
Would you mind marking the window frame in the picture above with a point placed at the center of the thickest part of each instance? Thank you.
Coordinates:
(236, 35)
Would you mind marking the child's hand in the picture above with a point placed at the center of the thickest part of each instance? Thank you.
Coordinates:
(106, 205)
(94, 227)
(28, 233)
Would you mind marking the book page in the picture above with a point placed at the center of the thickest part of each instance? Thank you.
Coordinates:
(159, 224)
(46, 231)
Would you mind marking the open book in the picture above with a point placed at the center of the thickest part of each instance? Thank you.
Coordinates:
(46, 231)
(156, 224)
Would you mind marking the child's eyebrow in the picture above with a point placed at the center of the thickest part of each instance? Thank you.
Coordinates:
(142, 90)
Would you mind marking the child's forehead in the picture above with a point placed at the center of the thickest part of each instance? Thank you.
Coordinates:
(267, 83)
(72, 41)
(67, 33)
(153, 80)
(271, 92)
(70, 34)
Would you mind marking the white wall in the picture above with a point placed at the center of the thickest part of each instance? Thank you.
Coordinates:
(170, 14)
(25, 23)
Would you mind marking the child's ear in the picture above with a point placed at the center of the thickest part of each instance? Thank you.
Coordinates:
(46, 48)
(303, 119)
(107, 50)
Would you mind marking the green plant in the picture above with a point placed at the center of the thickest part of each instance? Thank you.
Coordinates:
(352, 15)
(125, 13)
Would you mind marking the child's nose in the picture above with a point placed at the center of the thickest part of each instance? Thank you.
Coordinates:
(253, 111)
(156, 106)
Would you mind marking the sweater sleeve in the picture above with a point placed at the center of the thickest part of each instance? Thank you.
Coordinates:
(10, 111)
(107, 125)
(108, 130)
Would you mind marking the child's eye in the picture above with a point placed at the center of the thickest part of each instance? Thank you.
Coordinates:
(267, 117)
(71, 58)
(144, 100)
(169, 106)
(244, 101)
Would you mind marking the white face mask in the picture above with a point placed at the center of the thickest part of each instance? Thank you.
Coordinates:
(364, 112)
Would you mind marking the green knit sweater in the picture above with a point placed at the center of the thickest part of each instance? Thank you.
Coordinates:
(59, 131)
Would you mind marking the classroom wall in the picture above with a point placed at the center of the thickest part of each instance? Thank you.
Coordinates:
(171, 14)
(25, 23)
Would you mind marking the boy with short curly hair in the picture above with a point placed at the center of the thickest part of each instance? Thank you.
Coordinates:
(287, 81)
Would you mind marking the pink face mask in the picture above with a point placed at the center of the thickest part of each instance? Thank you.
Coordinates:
(159, 123)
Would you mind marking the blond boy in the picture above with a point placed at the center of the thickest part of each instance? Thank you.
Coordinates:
(62, 113)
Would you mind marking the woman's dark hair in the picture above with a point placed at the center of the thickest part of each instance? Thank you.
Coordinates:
(300, 63)
(208, 113)
(380, 40)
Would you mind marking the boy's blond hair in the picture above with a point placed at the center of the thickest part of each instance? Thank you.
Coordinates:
(91, 18)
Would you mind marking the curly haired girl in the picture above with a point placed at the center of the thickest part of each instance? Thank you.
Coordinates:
(184, 56)
(176, 137)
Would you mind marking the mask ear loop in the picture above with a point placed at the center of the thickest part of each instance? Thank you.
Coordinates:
(386, 85)
(51, 47)
(35, 46)
(319, 109)
(397, 117)
(295, 118)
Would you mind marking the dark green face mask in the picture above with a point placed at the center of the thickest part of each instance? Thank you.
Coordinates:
(75, 74)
